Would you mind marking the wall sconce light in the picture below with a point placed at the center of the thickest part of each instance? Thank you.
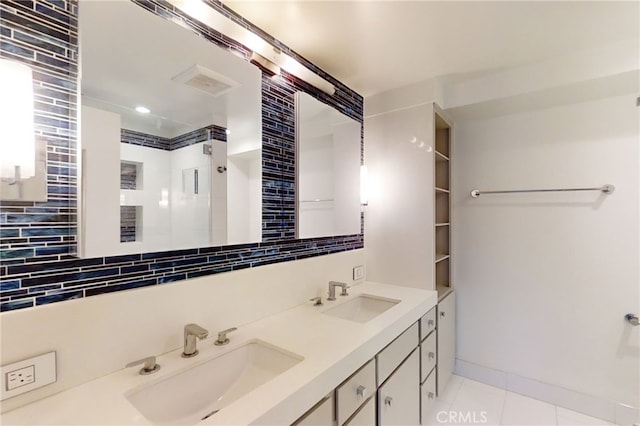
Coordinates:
(201, 11)
(364, 185)
(22, 164)
(265, 64)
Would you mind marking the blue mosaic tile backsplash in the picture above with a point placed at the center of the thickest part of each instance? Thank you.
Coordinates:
(38, 239)
(169, 144)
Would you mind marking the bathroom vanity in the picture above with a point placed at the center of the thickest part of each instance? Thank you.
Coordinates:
(366, 356)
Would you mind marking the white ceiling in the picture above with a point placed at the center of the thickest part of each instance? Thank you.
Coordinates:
(373, 46)
(149, 52)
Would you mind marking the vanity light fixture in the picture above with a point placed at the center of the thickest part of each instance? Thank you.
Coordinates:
(17, 139)
(364, 185)
(143, 110)
(204, 13)
(265, 64)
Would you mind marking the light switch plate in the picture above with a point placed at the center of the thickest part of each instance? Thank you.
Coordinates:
(358, 273)
(27, 375)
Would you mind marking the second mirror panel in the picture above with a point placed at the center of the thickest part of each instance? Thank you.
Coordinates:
(328, 170)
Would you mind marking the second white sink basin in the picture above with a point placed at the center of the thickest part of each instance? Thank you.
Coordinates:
(202, 390)
(362, 308)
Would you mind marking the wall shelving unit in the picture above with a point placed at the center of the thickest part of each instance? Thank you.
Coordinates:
(442, 171)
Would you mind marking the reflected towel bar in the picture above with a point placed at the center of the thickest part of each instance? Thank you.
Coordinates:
(607, 189)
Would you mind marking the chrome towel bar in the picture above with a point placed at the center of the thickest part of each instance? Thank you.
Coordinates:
(607, 189)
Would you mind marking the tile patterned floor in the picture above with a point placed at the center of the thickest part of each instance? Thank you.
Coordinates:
(467, 402)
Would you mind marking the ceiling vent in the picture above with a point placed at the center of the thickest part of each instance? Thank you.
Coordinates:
(206, 80)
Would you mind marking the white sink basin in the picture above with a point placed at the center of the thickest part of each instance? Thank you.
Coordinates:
(363, 308)
(202, 390)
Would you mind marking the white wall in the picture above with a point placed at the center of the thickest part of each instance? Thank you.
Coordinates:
(103, 333)
(190, 213)
(219, 192)
(154, 196)
(244, 197)
(101, 182)
(544, 280)
(399, 217)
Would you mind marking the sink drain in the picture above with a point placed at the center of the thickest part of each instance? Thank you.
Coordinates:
(209, 415)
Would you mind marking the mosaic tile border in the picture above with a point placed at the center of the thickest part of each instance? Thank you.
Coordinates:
(193, 137)
(38, 240)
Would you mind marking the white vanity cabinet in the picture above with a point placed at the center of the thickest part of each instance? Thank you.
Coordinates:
(385, 390)
(446, 340)
(354, 391)
(320, 415)
(398, 397)
(366, 416)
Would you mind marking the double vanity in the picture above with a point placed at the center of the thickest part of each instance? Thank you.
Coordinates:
(370, 354)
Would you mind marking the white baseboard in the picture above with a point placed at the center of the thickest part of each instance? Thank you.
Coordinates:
(590, 405)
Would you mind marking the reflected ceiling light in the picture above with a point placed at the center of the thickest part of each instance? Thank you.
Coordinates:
(211, 17)
(143, 110)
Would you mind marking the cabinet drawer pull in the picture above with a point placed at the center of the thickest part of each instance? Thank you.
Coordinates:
(387, 401)
(432, 355)
(430, 395)
(361, 391)
(442, 314)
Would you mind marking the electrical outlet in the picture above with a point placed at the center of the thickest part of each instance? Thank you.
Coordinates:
(27, 375)
(21, 377)
(358, 273)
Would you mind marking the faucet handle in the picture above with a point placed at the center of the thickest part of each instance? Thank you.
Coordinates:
(344, 290)
(317, 300)
(149, 367)
(196, 330)
(222, 336)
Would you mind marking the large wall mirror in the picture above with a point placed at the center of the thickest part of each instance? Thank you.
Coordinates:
(328, 170)
(170, 136)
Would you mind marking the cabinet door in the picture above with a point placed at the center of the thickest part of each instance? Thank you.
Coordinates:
(446, 340)
(399, 396)
(366, 416)
(428, 397)
(320, 415)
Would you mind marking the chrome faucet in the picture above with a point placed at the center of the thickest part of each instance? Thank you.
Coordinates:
(332, 289)
(192, 332)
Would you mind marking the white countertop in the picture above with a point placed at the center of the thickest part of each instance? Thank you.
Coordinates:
(332, 348)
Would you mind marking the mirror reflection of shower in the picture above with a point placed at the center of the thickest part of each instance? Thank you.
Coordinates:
(172, 143)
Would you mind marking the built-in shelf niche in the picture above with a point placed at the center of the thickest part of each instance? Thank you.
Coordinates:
(130, 224)
(130, 175)
(442, 240)
(442, 225)
(442, 207)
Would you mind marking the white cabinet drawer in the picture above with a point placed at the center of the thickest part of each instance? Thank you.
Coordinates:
(427, 395)
(390, 357)
(366, 416)
(428, 323)
(354, 391)
(399, 397)
(427, 356)
(320, 415)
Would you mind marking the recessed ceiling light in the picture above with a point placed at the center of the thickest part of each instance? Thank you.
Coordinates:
(143, 110)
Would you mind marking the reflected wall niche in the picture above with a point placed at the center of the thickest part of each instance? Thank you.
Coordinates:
(38, 245)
